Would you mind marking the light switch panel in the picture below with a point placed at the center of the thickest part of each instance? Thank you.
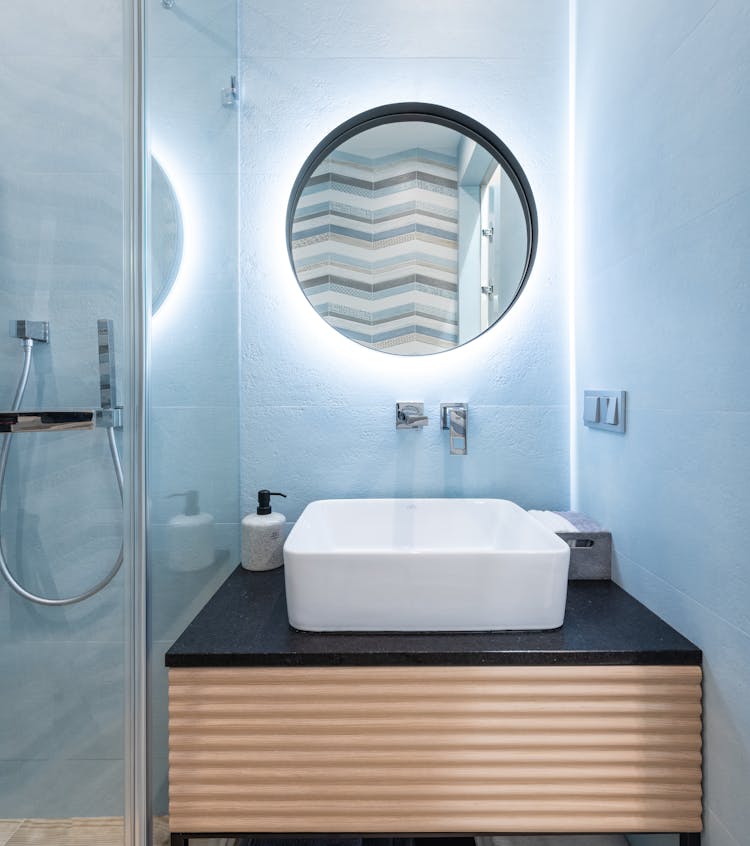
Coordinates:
(611, 418)
(604, 410)
(591, 409)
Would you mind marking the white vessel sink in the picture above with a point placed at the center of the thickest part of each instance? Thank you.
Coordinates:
(423, 565)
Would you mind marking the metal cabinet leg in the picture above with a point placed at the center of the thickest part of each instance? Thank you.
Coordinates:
(181, 840)
(693, 839)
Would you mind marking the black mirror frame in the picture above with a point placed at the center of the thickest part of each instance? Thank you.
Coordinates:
(428, 113)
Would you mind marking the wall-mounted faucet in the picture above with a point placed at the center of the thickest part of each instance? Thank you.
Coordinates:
(410, 415)
(454, 416)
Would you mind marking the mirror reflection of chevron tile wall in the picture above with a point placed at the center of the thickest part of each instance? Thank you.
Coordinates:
(375, 244)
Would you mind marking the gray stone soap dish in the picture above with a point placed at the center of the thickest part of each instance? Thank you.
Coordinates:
(590, 548)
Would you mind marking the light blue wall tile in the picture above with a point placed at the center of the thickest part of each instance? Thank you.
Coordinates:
(663, 215)
(33, 788)
(188, 118)
(65, 721)
(54, 101)
(317, 409)
(61, 154)
(682, 119)
(61, 261)
(194, 448)
(194, 418)
(62, 530)
(346, 28)
(720, 836)
(674, 301)
(177, 595)
(726, 687)
(202, 351)
(82, 28)
(314, 455)
(289, 104)
(193, 29)
(61, 232)
(689, 517)
(210, 224)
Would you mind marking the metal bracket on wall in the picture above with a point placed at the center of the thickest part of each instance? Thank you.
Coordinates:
(229, 96)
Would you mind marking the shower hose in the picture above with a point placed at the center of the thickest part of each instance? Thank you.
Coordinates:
(8, 576)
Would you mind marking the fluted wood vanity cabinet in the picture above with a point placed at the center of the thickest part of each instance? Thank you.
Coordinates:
(280, 732)
(435, 749)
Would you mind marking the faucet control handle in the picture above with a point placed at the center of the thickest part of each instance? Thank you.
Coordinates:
(410, 415)
(454, 416)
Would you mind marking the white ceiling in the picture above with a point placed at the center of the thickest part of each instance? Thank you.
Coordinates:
(394, 137)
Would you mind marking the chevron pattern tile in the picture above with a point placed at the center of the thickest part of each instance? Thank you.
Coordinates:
(375, 246)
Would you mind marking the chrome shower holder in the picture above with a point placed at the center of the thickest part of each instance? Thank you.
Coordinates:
(30, 330)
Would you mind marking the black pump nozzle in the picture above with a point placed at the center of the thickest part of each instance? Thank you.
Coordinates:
(264, 501)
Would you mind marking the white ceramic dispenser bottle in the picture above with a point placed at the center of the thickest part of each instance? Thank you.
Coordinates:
(263, 535)
(191, 536)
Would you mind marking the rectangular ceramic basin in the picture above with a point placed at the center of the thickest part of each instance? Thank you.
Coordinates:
(423, 565)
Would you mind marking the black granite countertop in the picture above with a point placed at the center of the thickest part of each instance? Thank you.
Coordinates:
(245, 624)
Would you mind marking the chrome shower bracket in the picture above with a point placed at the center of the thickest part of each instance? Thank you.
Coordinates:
(30, 330)
(110, 418)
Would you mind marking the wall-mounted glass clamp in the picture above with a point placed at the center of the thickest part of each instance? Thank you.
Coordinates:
(229, 96)
(17, 422)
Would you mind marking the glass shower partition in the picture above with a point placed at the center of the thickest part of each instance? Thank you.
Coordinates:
(76, 323)
(191, 110)
(66, 144)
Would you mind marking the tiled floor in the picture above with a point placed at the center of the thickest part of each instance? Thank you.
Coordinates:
(81, 831)
(7, 829)
(108, 831)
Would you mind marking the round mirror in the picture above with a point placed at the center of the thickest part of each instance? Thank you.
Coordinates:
(411, 229)
(165, 245)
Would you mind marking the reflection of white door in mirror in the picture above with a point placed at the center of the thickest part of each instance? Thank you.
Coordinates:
(385, 229)
(488, 276)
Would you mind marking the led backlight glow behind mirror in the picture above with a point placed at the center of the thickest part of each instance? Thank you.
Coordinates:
(411, 229)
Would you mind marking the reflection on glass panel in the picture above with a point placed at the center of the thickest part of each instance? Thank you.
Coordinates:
(193, 475)
(165, 242)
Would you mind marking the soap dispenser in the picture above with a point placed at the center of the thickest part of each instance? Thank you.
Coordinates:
(190, 536)
(263, 535)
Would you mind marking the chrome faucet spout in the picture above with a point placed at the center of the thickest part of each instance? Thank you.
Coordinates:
(410, 415)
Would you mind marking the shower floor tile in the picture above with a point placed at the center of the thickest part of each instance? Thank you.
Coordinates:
(7, 829)
(89, 831)
(82, 831)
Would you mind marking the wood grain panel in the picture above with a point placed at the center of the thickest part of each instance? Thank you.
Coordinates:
(435, 749)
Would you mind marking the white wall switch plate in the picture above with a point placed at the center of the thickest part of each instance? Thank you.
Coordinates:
(604, 410)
